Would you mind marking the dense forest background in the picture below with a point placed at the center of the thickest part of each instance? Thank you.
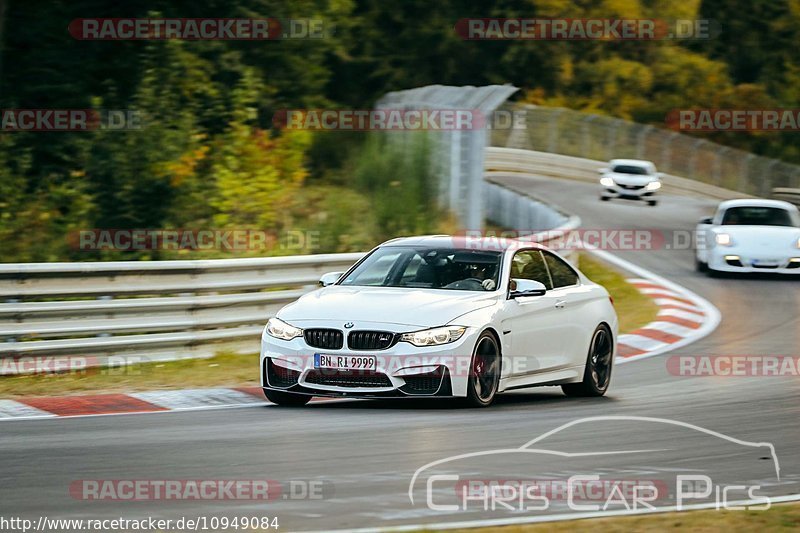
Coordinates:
(210, 158)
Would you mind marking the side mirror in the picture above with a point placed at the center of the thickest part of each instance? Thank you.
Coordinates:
(707, 220)
(525, 287)
(330, 278)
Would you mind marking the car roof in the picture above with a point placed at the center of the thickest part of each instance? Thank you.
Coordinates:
(488, 244)
(633, 162)
(756, 202)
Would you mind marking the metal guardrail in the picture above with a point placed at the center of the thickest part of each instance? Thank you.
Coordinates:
(152, 311)
(789, 195)
(574, 133)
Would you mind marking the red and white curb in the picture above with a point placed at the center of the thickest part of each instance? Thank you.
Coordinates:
(683, 316)
(678, 319)
(159, 401)
(135, 402)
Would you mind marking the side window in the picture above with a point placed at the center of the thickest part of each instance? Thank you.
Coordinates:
(530, 265)
(560, 271)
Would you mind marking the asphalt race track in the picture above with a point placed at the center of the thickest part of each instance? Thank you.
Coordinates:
(367, 452)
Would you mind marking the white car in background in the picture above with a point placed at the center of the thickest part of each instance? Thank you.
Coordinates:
(440, 316)
(630, 179)
(750, 236)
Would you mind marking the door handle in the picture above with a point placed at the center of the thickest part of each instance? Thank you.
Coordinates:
(561, 304)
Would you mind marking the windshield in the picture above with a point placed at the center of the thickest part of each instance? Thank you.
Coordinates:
(757, 216)
(428, 268)
(630, 169)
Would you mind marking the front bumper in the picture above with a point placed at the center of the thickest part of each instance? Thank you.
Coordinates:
(733, 260)
(635, 193)
(404, 370)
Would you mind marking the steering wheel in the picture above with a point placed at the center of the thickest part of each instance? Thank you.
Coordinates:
(468, 284)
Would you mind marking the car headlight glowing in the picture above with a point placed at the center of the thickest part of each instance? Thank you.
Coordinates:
(653, 186)
(606, 182)
(434, 336)
(281, 330)
(723, 239)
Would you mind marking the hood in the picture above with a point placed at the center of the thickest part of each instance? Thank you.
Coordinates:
(758, 236)
(391, 305)
(631, 179)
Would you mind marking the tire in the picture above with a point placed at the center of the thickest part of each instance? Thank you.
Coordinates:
(286, 399)
(605, 198)
(599, 363)
(699, 265)
(652, 203)
(484, 371)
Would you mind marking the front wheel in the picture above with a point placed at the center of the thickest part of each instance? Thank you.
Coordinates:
(652, 203)
(484, 376)
(700, 266)
(287, 399)
(599, 362)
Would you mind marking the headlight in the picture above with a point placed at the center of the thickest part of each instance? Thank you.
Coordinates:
(653, 186)
(797, 243)
(435, 336)
(723, 239)
(281, 330)
(606, 182)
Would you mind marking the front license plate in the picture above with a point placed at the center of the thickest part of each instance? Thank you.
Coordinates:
(766, 262)
(345, 362)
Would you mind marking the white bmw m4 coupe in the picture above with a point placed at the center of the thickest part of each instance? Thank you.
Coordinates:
(440, 316)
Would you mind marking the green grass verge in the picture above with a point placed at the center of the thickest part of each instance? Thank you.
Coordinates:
(231, 370)
(778, 518)
(634, 309)
(223, 370)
